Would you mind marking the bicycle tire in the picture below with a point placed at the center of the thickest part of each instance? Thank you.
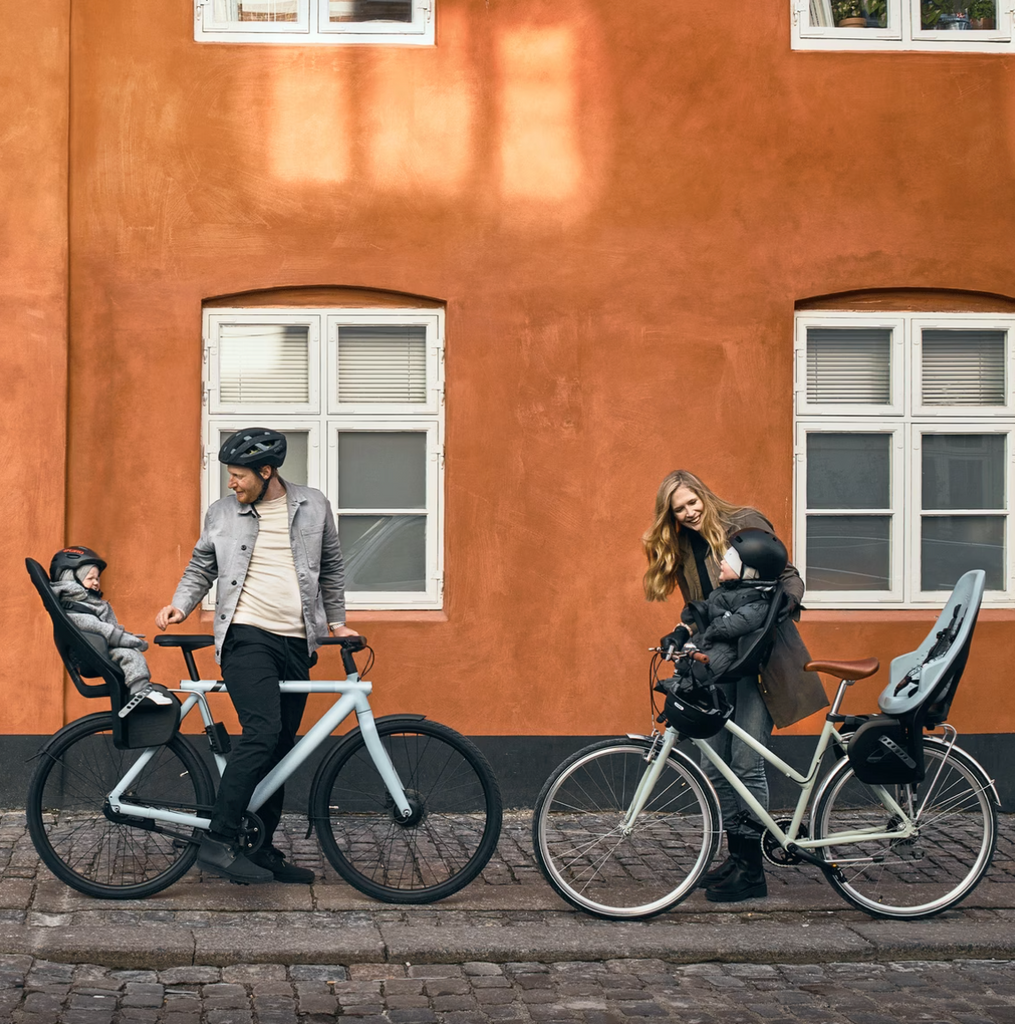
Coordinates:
(583, 852)
(454, 828)
(923, 876)
(88, 847)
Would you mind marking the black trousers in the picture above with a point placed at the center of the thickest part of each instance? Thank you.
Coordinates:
(253, 662)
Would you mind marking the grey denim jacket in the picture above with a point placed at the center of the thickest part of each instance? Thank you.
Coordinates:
(222, 555)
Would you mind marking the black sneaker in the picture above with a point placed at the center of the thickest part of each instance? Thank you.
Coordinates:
(274, 861)
(226, 860)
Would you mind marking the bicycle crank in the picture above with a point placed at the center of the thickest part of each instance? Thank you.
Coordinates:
(774, 853)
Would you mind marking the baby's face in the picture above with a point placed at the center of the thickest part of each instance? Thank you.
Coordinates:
(726, 573)
(91, 580)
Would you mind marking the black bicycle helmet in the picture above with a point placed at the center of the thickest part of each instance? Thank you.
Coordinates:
(695, 709)
(73, 558)
(761, 551)
(254, 447)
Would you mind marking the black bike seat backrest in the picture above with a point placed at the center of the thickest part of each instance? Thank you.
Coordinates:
(81, 659)
(753, 649)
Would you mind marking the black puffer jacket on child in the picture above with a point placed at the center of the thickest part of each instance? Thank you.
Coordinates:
(734, 609)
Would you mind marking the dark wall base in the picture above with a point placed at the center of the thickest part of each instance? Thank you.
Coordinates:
(523, 763)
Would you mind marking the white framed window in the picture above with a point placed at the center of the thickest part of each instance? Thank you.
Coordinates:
(981, 26)
(904, 427)
(363, 415)
(314, 21)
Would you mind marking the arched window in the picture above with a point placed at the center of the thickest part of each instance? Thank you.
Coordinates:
(355, 381)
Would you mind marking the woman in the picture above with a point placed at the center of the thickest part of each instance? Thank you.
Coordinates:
(684, 547)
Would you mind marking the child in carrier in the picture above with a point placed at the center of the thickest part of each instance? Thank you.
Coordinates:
(75, 573)
(734, 609)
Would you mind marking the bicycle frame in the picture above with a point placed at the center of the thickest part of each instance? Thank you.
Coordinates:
(829, 735)
(354, 693)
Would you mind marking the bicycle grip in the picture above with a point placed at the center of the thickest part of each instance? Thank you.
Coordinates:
(698, 656)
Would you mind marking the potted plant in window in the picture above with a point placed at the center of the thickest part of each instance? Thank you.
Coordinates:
(860, 13)
(982, 14)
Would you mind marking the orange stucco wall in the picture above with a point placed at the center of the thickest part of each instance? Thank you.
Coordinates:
(620, 214)
(33, 312)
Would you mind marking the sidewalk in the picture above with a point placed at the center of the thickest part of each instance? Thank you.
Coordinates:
(507, 915)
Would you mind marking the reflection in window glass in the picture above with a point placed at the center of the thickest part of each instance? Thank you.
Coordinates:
(963, 471)
(381, 469)
(956, 15)
(383, 552)
(370, 10)
(848, 470)
(255, 10)
(952, 545)
(263, 364)
(848, 552)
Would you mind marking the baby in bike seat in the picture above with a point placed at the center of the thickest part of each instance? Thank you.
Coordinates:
(736, 608)
(75, 573)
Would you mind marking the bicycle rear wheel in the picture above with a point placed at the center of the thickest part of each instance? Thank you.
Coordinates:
(76, 833)
(584, 851)
(927, 873)
(451, 834)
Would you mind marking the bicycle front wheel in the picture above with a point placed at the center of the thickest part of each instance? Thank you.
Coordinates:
(916, 876)
(442, 846)
(77, 834)
(599, 865)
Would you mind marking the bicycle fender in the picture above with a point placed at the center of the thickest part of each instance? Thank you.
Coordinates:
(107, 715)
(349, 737)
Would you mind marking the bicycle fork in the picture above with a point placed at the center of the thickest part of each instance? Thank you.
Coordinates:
(657, 754)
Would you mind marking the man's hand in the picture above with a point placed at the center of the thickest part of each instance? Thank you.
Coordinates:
(343, 631)
(169, 616)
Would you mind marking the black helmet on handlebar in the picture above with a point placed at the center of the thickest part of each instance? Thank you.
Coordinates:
(253, 448)
(694, 709)
(759, 550)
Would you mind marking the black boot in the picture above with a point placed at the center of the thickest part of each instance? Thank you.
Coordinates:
(725, 869)
(747, 880)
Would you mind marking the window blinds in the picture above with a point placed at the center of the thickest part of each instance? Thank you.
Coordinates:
(963, 367)
(848, 366)
(264, 363)
(381, 363)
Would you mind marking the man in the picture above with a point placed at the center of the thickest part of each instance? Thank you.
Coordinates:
(272, 547)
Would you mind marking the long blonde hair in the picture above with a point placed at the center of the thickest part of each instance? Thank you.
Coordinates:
(666, 545)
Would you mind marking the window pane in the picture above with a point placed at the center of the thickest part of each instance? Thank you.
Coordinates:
(848, 552)
(963, 471)
(264, 363)
(254, 10)
(963, 367)
(848, 366)
(952, 545)
(295, 468)
(382, 363)
(370, 10)
(849, 13)
(381, 469)
(849, 470)
(384, 552)
(958, 14)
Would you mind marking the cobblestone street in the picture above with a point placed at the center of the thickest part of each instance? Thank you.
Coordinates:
(613, 992)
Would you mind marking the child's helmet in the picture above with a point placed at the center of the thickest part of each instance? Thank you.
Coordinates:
(253, 448)
(73, 558)
(760, 550)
